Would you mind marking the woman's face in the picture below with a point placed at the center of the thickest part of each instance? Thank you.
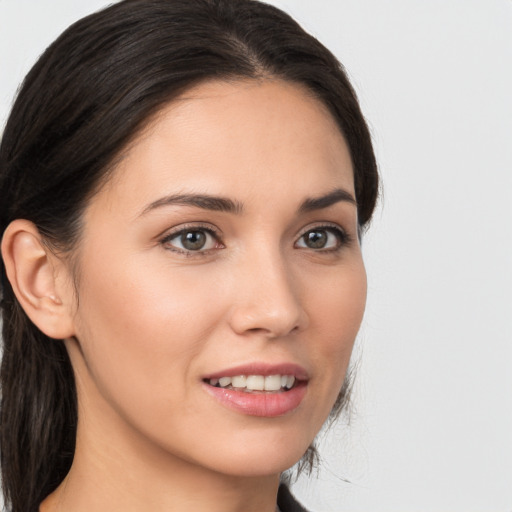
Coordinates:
(221, 258)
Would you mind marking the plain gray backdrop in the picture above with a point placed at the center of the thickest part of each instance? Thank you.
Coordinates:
(432, 427)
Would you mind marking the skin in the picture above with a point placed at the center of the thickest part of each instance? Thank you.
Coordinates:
(152, 319)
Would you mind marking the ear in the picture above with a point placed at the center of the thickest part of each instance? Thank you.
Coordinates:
(39, 279)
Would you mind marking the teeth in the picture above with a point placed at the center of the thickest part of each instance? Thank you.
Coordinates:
(255, 382)
(224, 382)
(239, 381)
(273, 383)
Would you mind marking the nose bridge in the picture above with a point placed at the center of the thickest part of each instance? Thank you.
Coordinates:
(267, 297)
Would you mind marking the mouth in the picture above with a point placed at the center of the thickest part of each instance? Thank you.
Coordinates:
(259, 390)
(255, 383)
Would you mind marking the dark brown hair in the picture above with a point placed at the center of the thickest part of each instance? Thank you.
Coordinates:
(87, 96)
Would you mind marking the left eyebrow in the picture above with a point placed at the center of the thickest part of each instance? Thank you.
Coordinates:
(318, 203)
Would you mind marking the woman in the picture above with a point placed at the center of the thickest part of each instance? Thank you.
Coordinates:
(186, 184)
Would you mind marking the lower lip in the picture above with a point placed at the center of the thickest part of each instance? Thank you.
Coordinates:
(268, 405)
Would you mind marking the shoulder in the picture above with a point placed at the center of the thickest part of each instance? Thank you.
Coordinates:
(286, 502)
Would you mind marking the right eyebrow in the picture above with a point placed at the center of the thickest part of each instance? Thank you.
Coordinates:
(204, 201)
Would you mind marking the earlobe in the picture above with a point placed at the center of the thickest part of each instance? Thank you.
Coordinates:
(35, 274)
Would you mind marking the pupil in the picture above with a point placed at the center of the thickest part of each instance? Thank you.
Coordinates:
(316, 239)
(193, 240)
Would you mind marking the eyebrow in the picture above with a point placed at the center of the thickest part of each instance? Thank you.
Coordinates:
(318, 203)
(224, 204)
(204, 201)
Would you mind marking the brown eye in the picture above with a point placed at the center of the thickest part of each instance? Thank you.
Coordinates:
(315, 239)
(191, 240)
(322, 239)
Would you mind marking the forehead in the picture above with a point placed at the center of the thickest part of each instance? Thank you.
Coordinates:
(232, 138)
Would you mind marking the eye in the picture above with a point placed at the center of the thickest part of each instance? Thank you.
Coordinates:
(192, 240)
(322, 238)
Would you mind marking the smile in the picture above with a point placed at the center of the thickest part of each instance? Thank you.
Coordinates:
(259, 389)
(254, 383)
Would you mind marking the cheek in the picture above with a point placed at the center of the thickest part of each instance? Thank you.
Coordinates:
(337, 314)
(130, 298)
(140, 330)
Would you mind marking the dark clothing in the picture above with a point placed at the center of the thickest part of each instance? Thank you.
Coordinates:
(286, 502)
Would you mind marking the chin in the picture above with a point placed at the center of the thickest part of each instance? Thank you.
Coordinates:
(261, 457)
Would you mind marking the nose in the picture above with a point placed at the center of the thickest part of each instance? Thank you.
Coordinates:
(266, 298)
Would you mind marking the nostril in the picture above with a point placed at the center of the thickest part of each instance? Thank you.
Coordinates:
(268, 325)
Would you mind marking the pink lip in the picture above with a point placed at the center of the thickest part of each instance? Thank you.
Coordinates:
(260, 403)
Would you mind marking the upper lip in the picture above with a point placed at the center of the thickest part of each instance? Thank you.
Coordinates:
(264, 369)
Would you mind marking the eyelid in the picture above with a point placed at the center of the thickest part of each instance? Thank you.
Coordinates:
(322, 225)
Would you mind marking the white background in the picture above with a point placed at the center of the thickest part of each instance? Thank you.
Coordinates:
(432, 429)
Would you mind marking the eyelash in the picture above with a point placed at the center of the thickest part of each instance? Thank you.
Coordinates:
(343, 239)
(196, 228)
